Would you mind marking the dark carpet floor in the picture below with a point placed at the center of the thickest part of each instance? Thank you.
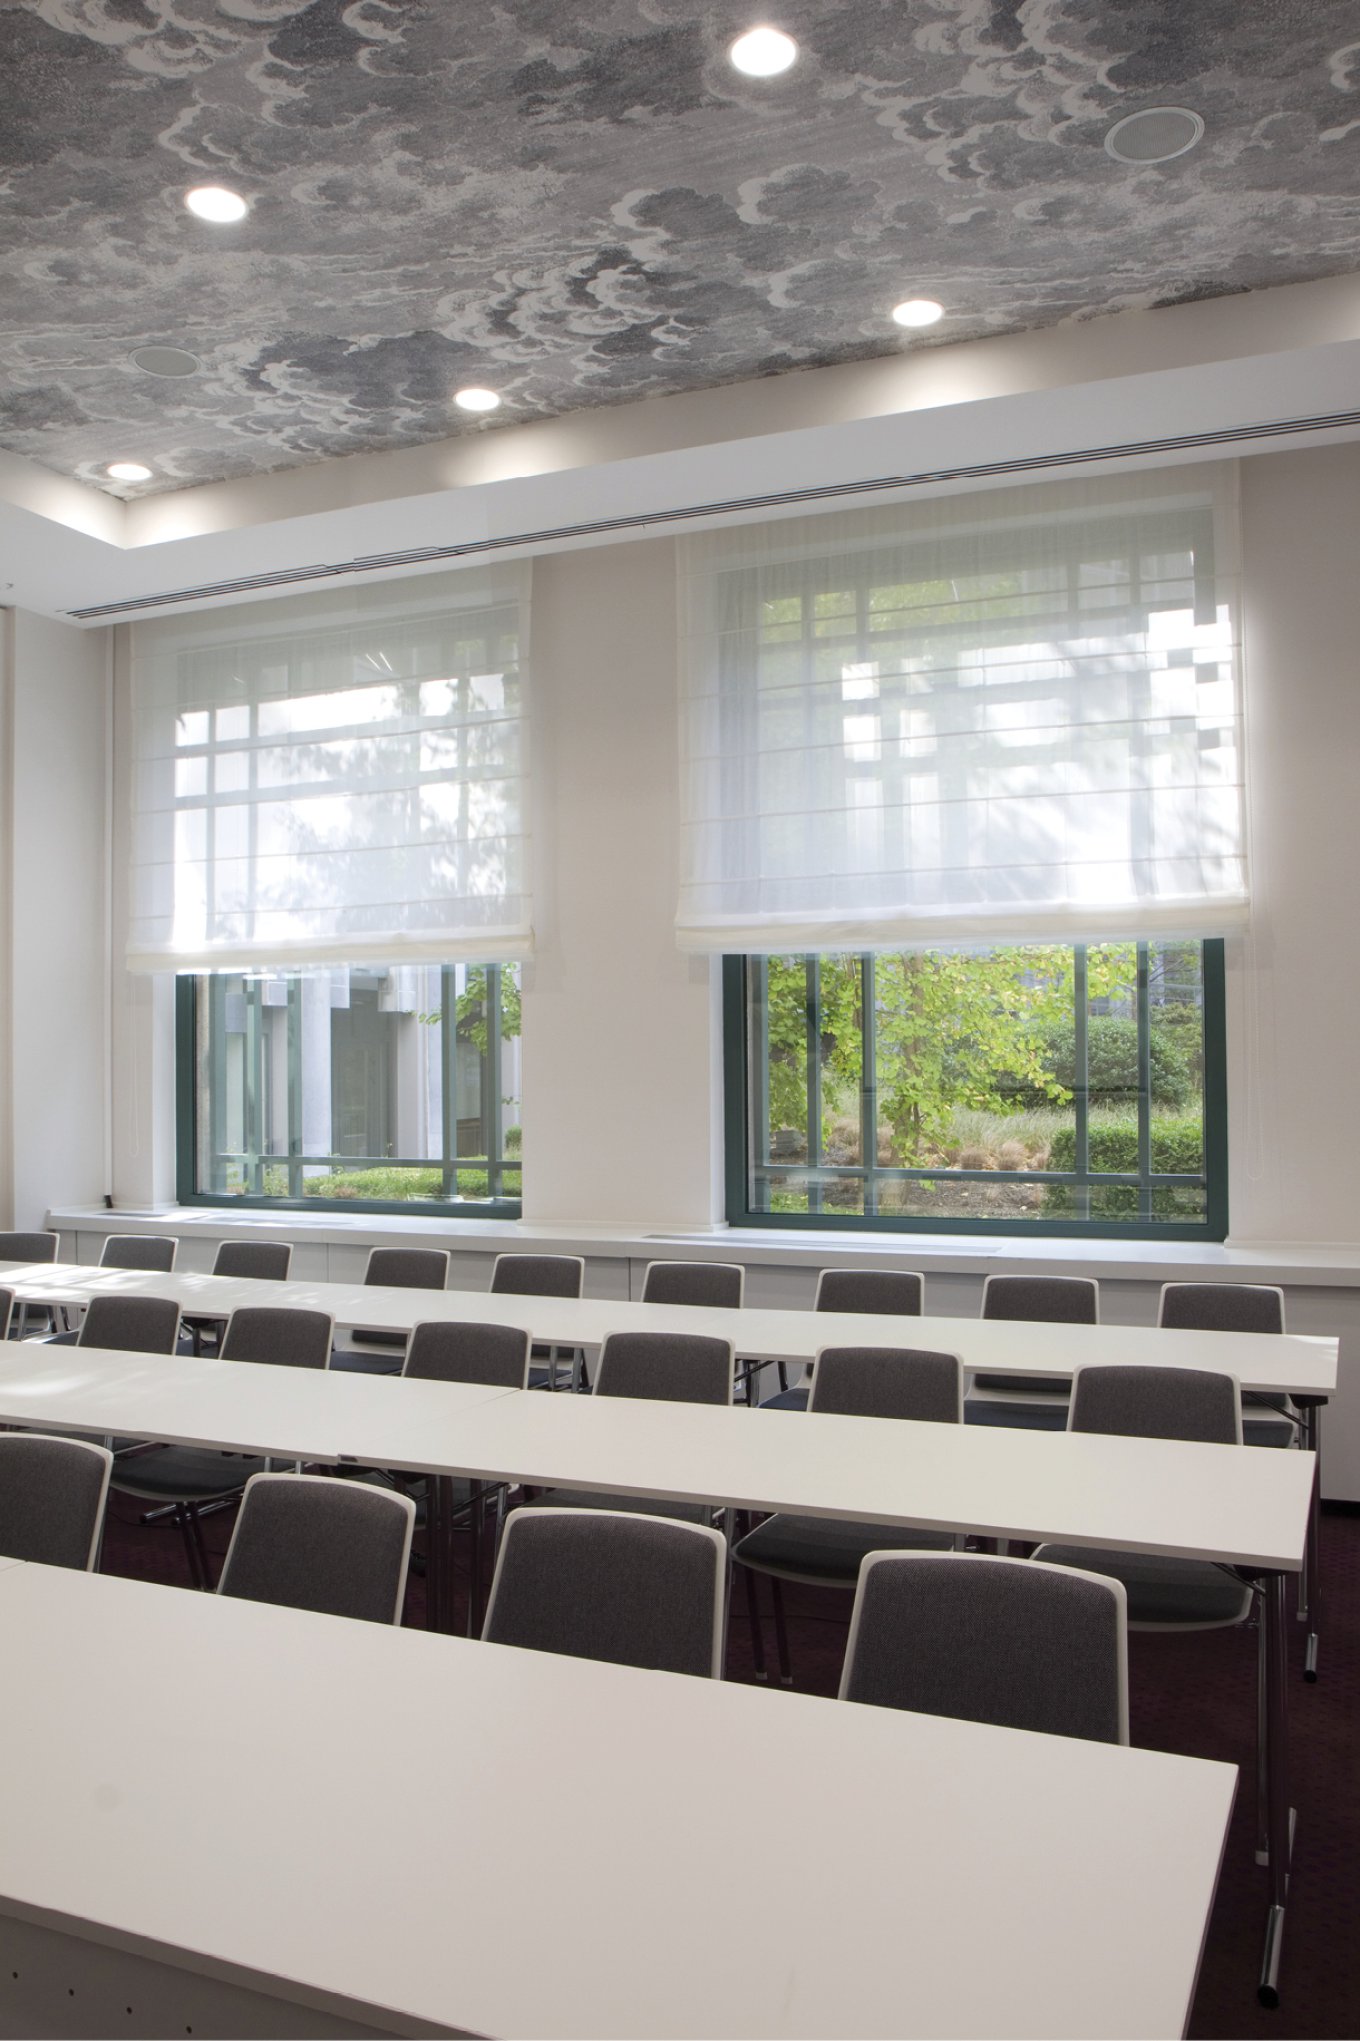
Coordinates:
(1193, 1694)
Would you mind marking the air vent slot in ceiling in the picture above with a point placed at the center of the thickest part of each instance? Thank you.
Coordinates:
(655, 520)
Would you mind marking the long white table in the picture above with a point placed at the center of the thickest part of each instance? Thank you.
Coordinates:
(1292, 1363)
(1222, 1504)
(414, 1833)
(1304, 1367)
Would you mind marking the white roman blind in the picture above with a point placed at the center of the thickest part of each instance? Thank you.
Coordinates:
(334, 778)
(1011, 715)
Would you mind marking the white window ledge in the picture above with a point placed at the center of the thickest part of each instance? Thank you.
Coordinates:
(1328, 1265)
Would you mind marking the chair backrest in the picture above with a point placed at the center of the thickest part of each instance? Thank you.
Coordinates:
(409, 1268)
(1145, 1402)
(137, 1325)
(1052, 1300)
(277, 1335)
(1222, 1307)
(267, 1261)
(719, 1283)
(446, 1350)
(6, 1311)
(635, 1590)
(52, 1494)
(28, 1246)
(1010, 1641)
(153, 1251)
(888, 1381)
(895, 1291)
(670, 1367)
(309, 1541)
(537, 1275)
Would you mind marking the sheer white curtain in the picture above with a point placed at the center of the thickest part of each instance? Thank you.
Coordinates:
(334, 778)
(1011, 715)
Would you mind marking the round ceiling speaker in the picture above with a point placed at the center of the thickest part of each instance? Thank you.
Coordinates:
(166, 361)
(1155, 135)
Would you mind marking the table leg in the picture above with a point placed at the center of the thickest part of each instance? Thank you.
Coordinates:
(434, 1556)
(1278, 1823)
(475, 1609)
(1310, 1584)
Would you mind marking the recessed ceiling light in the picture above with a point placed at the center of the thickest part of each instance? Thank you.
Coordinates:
(165, 361)
(918, 312)
(128, 471)
(1155, 135)
(214, 202)
(476, 400)
(763, 52)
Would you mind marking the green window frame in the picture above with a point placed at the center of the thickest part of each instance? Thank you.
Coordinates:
(475, 1155)
(755, 1173)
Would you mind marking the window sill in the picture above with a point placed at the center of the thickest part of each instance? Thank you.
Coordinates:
(1329, 1265)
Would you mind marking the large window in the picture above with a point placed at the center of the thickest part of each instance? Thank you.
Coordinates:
(365, 1085)
(1054, 1087)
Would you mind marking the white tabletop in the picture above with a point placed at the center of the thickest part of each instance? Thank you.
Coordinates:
(1225, 1503)
(1231, 1504)
(1284, 1362)
(232, 1406)
(496, 1875)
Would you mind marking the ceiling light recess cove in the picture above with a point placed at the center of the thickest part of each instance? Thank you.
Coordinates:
(128, 471)
(918, 312)
(763, 52)
(214, 202)
(1156, 134)
(476, 400)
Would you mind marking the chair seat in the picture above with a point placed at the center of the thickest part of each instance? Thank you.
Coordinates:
(1022, 1385)
(1267, 1431)
(787, 1399)
(1030, 1417)
(827, 1549)
(347, 1360)
(184, 1474)
(638, 1505)
(1162, 1593)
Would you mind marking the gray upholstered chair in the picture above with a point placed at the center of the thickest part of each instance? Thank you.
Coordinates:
(138, 1325)
(308, 1541)
(30, 1247)
(52, 1494)
(453, 1350)
(373, 1351)
(258, 1261)
(543, 1275)
(1145, 1402)
(279, 1335)
(1008, 1641)
(634, 1590)
(720, 1284)
(665, 1367)
(154, 1252)
(867, 1381)
(895, 1293)
(1030, 1402)
(184, 1479)
(1236, 1307)
(537, 1275)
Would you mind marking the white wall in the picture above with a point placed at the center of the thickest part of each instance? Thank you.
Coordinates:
(52, 787)
(1294, 983)
(621, 1034)
(622, 1038)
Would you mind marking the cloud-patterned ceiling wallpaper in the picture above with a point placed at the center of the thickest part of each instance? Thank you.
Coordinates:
(582, 205)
